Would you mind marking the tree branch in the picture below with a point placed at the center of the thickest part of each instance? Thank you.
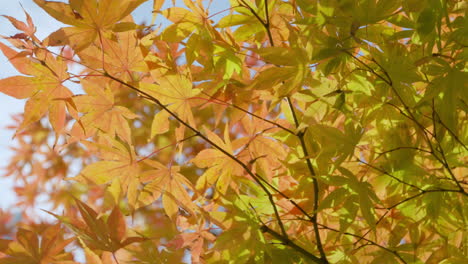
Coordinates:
(254, 176)
(314, 220)
(388, 80)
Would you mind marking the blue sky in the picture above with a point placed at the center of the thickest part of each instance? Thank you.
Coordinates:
(45, 25)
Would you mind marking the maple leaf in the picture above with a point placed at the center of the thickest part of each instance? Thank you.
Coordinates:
(174, 91)
(31, 247)
(344, 132)
(121, 57)
(29, 29)
(97, 233)
(100, 112)
(194, 241)
(119, 163)
(220, 167)
(89, 19)
(45, 90)
(171, 185)
(264, 151)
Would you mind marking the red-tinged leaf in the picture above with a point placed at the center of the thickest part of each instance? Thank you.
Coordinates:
(96, 233)
(16, 23)
(93, 258)
(29, 29)
(50, 236)
(29, 21)
(85, 210)
(19, 36)
(44, 89)
(116, 224)
(195, 241)
(91, 219)
(51, 243)
(27, 248)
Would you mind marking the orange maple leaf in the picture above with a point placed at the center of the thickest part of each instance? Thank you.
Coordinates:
(89, 19)
(44, 89)
(31, 247)
(171, 185)
(221, 168)
(100, 112)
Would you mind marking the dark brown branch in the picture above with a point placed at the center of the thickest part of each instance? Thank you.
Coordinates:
(265, 24)
(287, 242)
(442, 160)
(435, 114)
(404, 201)
(255, 177)
(388, 174)
(394, 252)
(314, 220)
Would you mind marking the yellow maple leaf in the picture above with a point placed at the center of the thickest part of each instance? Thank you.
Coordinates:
(88, 18)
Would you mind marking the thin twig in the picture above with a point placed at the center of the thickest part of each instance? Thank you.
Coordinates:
(388, 80)
(285, 240)
(300, 136)
(251, 114)
(394, 252)
(388, 174)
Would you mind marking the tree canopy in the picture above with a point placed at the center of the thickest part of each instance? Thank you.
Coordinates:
(292, 131)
